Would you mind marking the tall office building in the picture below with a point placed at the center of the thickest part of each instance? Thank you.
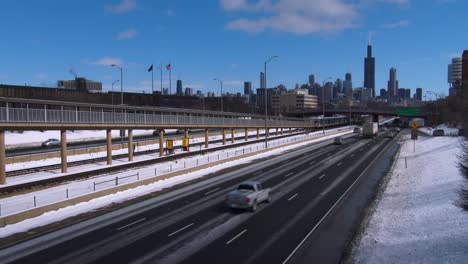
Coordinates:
(369, 70)
(348, 85)
(392, 83)
(383, 93)
(337, 88)
(454, 75)
(179, 88)
(262, 80)
(247, 88)
(188, 91)
(408, 94)
(418, 94)
(311, 80)
(465, 70)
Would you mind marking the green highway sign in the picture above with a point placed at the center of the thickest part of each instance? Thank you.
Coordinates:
(408, 111)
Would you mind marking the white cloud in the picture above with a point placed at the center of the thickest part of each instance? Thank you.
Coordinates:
(398, 24)
(124, 7)
(293, 16)
(128, 34)
(107, 61)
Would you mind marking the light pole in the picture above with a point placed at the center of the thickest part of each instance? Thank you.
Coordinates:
(266, 95)
(121, 81)
(436, 102)
(114, 82)
(323, 103)
(221, 96)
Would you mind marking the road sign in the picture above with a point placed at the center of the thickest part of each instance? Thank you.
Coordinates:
(414, 134)
(414, 125)
(408, 111)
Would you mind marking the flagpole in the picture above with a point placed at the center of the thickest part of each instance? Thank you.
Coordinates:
(152, 79)
(170, 79)
(160, 69)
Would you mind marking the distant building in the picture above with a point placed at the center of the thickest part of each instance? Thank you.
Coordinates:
(348, 85)
(392, 83)
(188, 91)
(418, 94)
(408, 94)
(401, 93)
(383, 93)
(165, 91)
(295, 100)
(465, 70)
(80, 84)
(262, 80)
(179, 88)
(261, 94)
(311, 80)
(247, 88)
(338, 88)
(369, 70)
(327, 91)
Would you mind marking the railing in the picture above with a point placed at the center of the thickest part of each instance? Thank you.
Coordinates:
(12, 206)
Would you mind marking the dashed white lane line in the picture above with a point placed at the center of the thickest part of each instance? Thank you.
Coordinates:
(212, 191)
(321, 176)
(234, 238)
(292, 197)
(289, 174)
(136, 222)
(183, 228)
(258, 172)
(339, 164)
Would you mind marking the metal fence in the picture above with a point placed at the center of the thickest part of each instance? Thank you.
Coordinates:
(110, 181)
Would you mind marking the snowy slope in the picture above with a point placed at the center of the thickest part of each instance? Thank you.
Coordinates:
(416, 220)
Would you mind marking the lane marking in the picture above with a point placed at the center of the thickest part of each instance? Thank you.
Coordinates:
(258, 172)
(289, 174)
(234, 238)
(334, 205)
(321, 176)
(292, 197)
(212, 191)
(136, 222)
(339, 164)
(183, 228)
(313, 162)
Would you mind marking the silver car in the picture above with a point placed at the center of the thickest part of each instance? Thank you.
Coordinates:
(248, 195)
(51, 142)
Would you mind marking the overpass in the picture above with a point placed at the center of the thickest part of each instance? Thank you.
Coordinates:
(29, 114)
(397, 112)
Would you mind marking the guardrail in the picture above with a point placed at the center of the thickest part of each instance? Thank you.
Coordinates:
(29, 202)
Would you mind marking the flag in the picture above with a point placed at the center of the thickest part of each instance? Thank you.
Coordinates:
(159, 67)
(168, 67)
(150, 68)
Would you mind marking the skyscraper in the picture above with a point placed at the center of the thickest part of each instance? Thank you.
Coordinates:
(311, 80)
(465, 70)
(262, 80)
(418, 94)
(348, 85)
(369, 70)
(179, 88)
(247, 88)
(392, 83)
(455, 73)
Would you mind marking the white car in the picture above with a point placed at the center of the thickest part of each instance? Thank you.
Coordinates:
(248, 195)
(51, 142)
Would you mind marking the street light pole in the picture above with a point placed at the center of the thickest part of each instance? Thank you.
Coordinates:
(113, 90)
(221, 96)
(323, 104)
(121, 81)
(266, 95)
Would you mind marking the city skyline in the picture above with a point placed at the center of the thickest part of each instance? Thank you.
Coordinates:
(136, 34)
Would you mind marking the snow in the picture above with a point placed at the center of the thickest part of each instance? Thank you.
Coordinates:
(448, 131)
(23, 202)
(416, 220)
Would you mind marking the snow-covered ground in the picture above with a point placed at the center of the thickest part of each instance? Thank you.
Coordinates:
(416, 220)
(448, 131)
(70, 211)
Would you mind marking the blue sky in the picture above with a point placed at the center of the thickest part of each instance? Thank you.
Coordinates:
(230, 39)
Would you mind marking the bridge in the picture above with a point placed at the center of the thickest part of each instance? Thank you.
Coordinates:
(397, 112)
(29, 114)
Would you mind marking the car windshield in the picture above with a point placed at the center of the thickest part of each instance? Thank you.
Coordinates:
(246, 187)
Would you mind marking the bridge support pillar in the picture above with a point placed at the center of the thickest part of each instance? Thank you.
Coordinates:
(161, 143)
(63, 149)
(206, 137)
(109, 146)
(267, 132)
(290, 130)
(281, 131)
(130, 145)
(246, 134)
(277, 131)
(258, 133)
(224, 136)
(232, 135)
(2, 158)
(186, 132)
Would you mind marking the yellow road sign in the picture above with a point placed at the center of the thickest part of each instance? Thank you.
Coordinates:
(414, 125)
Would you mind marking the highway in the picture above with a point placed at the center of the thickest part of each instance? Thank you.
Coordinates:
(191, 224)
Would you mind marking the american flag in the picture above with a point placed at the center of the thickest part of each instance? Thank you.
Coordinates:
(168, 67)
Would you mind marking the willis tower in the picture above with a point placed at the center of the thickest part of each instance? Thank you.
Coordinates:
(369, 70)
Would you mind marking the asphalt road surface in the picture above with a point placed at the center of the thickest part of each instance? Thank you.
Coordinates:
(192, 225)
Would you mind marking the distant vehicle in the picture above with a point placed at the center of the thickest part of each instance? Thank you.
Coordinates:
(357, 130)
(51, 142)
(182, 131)
(438, 133)
(158, 131)
(396, 129)
(390, 135)
(248, 195)
(369, 129)
(338, 141)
